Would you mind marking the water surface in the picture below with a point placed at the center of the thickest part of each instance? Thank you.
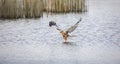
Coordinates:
(32, 41)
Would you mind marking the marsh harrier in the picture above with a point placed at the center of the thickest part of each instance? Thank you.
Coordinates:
(65, 34)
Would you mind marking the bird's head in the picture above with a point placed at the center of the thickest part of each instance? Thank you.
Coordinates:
(51, 23)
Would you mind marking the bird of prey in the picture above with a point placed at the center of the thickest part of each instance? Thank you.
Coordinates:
(65, 34)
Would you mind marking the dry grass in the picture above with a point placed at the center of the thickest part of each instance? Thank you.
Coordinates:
(64, 5)
(34, 8)
(20, 8)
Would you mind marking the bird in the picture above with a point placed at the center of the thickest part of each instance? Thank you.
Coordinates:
(65, 34)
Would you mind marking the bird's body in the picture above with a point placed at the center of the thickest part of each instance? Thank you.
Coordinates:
(65, 34)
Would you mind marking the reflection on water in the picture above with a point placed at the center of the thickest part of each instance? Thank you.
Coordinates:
(34, 42)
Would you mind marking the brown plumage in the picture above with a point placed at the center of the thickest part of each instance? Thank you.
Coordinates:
(65, 34)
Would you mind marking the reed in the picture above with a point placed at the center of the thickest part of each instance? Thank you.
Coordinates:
(21, 8)
(34, 8)
(64, 6)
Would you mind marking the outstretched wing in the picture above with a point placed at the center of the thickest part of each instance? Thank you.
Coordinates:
(72, 28)
(52, 23)
(58, 28)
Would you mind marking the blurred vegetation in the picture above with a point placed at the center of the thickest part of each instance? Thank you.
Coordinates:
(64, 6)
(34, 8)
(20, 8)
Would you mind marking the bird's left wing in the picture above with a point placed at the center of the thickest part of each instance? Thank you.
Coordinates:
(72, 28)
(58, 28)
(52, 23)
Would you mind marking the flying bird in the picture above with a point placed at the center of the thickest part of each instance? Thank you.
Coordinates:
(65, 34)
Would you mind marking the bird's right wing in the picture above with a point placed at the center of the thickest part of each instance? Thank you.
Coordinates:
(72, 28)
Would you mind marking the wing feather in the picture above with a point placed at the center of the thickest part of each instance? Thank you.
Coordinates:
(72, 28)
(52, 23)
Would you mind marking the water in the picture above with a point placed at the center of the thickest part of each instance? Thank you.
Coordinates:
(32, 41)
